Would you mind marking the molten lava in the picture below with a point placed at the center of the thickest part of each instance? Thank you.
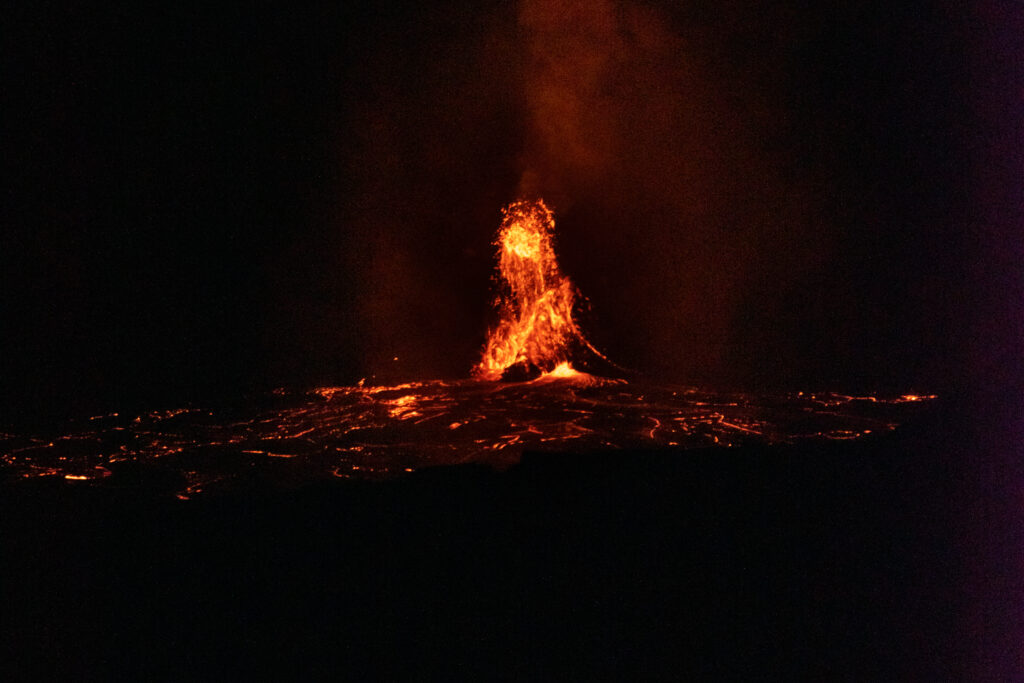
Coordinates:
(371, 431)
(536, 332)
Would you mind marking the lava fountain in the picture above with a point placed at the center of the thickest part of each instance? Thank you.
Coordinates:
(536, 332)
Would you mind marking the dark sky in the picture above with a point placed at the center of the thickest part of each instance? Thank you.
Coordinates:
(203, 202)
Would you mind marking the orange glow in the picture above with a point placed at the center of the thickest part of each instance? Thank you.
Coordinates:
(536, 330)
(563, 370)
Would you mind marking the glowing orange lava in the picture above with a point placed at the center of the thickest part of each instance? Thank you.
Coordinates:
(536, 331)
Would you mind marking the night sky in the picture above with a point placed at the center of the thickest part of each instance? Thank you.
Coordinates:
(203, 203)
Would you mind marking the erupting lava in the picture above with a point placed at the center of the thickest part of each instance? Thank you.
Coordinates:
(368, 431)
(371, 431)
(536, 332)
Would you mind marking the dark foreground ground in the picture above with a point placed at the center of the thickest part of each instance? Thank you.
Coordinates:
(866, 560)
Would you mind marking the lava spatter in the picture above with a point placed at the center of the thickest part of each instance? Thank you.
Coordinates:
(537, 332)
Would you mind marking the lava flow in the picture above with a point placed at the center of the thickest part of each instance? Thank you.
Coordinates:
(536, 333)
(544, 404)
